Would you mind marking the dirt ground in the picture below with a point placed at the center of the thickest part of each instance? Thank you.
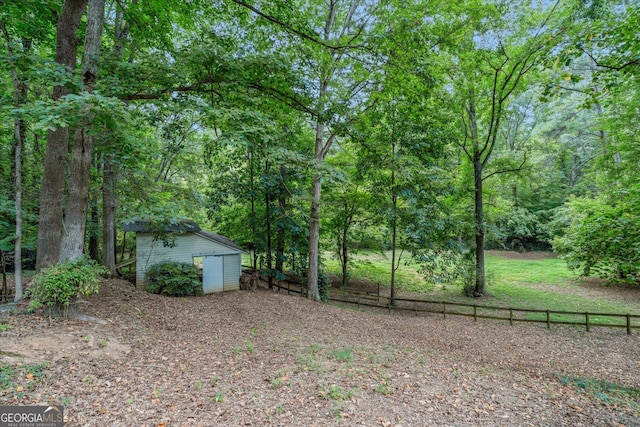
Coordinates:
(267, 359)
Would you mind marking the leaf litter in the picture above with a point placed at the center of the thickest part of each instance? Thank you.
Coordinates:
(268, 359)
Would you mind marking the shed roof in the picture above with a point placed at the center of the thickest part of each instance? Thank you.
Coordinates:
(140, 225)
(180, 226)
(219, 239)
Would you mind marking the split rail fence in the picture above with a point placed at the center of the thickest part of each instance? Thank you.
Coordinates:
(416, 307)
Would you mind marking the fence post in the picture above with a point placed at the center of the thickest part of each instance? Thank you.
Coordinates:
(586, 316)
(628, 324)
(548, 320)
(415, 308)
(475, 313)
(444, 310)
(511, 316)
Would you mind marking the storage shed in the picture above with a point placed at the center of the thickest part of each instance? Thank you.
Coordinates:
(184, 241)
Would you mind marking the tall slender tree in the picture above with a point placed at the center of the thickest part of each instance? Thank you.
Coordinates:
(505, 46)
(19, 127)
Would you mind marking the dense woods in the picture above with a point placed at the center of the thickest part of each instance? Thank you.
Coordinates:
(306, 129)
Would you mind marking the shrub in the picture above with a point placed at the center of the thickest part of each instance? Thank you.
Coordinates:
(177, 279)
(64, 283)
(603, 236)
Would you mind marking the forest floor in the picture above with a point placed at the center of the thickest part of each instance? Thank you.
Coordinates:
(268, 359)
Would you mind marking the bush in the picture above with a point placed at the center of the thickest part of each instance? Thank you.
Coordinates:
(176, 279)
(603, 236)
(64, 283)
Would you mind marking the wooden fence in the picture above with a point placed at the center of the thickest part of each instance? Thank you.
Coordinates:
(416, 307)
(477, 311)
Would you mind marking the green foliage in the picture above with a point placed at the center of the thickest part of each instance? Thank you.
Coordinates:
(444, 268)
(65, 282)
(603, 236)
(174, 279)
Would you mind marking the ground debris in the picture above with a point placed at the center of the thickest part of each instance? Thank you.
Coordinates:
(267, 359)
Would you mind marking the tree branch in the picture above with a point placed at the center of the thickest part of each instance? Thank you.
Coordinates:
(290, 29)
(501, 171)
(611, 67)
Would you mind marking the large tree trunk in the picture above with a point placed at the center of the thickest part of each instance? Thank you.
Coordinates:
(55, 160)
(313, 292)
(75, 220)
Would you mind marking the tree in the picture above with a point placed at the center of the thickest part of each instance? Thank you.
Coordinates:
(19, 95)
(351, 210)
(345, 24)
(55, 161)
(75, 219)
(497, 59)
(600, 234)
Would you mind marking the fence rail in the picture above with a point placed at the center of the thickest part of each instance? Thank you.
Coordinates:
(476, 311)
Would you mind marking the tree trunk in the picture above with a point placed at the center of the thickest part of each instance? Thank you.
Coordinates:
(282, 205)
(55, 160)
(344, 253)
(480, 286)
(110, 168)
(17, 260)
(313, 291)
(394, 224)
(394, 238)
(478, 163)
(267, 208)
(75, 220)
(94, 241)
(254, 232)
(109, 205)
(19, 127)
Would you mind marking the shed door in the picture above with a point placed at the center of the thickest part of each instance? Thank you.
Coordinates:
(212, 273)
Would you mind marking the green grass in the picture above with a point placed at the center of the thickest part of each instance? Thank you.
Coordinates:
(545, 284)
(375, 267)
(343, 354)
(6, 377)
(606, 391)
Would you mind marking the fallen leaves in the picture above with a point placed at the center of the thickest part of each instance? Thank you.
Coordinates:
(182, 367)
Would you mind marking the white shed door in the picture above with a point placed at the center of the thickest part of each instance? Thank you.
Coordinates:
(212, 273)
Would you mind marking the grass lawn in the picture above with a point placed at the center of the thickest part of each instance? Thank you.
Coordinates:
(533, 281)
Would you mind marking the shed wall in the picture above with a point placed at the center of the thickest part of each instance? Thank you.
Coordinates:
(232, 268)
(186, 246)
